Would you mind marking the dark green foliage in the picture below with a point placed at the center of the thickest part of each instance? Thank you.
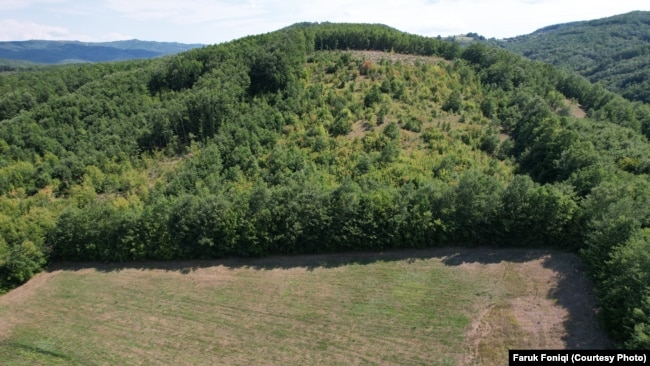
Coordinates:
(381, 115)
(536, 215)
(614, 51)
(392, 131)
(476, 205)
(12, 103)
(490, 142)
(413, 124)
(624, 290)
(179, 73)
(427, 219)
(390, 152)
(372, 97)
(341, 126)
(277, 63)
(97, 232)
(20, 263)
(376, 37)
(453, 103)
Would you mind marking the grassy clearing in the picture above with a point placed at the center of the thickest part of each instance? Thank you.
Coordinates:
(443, 307)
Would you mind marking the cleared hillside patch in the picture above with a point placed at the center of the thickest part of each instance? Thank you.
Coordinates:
(441, 307)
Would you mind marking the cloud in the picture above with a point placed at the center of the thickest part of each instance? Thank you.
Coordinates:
(22, 4)
(185, 12)
(210, 21)
(14, 30)
(13, 4)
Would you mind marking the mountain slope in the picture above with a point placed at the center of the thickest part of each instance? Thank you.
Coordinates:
(321, 138)
(14, 65)
(614, 51)
(54, 52)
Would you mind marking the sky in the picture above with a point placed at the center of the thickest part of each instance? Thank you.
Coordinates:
(217, 21)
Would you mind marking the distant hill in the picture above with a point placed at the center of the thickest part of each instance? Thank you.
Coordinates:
(59, 52)
(614, 51)
(14, 65)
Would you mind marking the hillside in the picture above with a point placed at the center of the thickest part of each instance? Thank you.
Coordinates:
(614, 51)
(59, 52)
(7, 65)
(326, 138)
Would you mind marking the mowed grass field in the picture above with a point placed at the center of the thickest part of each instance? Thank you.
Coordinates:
(432, 307)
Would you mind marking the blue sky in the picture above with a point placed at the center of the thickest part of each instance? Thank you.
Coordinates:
(215, 21)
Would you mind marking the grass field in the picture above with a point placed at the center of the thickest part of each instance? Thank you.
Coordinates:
(440, 307)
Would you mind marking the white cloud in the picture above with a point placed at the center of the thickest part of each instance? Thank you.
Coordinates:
(14, 30)
(13, 4)
(184, 12)
(211, 21)
(22, 4)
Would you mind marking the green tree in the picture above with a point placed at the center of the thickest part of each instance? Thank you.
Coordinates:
(625, 290)
(372, 97)
(453, 103)
(392, 131)
(477, 205)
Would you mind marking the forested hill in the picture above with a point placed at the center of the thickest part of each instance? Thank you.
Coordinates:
(614, 51)
(321, 138)
(57, 52)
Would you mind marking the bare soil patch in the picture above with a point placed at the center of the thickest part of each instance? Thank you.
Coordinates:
(377, 56)
(576, 109)
(548, 304)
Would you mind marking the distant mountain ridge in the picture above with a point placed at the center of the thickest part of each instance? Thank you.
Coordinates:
(58, 52)
(614, 51)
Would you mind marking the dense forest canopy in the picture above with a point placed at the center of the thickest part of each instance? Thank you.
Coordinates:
(614, 51)
(321, 138)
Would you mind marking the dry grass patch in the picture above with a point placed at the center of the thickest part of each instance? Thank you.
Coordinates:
(377, 56)
(575, 109)
(440, 307)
